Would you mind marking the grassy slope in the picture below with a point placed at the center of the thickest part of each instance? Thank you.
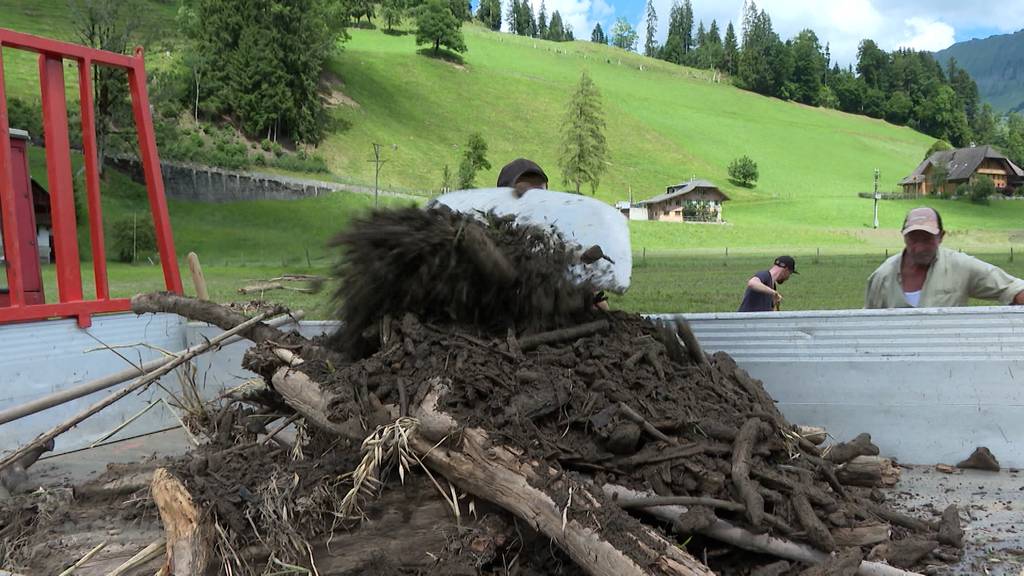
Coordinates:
(665, 124)
(51, 19)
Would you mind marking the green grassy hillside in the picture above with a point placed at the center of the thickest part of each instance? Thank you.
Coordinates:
(665, 123)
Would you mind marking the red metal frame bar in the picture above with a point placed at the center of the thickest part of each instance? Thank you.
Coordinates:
(151, 170)
(9, 215)
(92, 177)
(52, 54)
(58, 169)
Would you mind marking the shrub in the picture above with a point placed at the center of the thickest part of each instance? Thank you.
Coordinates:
(301, 162)
(981, 189)
(133, 238)
(743, 171)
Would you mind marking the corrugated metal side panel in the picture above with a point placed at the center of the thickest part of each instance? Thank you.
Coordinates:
(972, 334)
(40, 358)
(929, 385)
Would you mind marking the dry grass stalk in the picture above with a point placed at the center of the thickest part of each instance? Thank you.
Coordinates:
(385, 449)
(88, 556)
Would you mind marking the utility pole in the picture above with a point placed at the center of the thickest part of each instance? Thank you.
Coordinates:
(376, 178)
(877, 197)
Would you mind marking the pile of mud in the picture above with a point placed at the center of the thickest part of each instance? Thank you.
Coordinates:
(487, 312)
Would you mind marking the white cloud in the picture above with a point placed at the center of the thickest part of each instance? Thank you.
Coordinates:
(925, 34)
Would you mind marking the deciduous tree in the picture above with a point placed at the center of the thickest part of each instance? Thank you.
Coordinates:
(436, 25)
(624, 35)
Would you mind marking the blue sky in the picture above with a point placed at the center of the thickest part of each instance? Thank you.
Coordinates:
(920, 24)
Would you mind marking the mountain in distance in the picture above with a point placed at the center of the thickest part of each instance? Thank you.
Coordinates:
(997, 65)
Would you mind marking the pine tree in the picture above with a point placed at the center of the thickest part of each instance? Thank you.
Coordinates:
(489, 13)
(598, 35)
(584, 149)
(730, 51)
(650, 45)
(542, 21)
(749, 17)
(513, 11)
(762, 65)
(556, 32)
(687, 26)
(715, 52)
(672, 51)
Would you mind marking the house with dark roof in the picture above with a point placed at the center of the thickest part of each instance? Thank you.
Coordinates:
(693, 201)
(943, 171)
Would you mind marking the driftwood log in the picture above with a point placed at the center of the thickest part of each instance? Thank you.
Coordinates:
(846, 451)
(762, 543)
(868, 471)
(189, 534)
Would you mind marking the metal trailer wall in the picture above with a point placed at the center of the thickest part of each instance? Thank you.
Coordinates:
(40, 358)
(929, 385)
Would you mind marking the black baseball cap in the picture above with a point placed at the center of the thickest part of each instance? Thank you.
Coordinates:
(787, 262)
(516, 169)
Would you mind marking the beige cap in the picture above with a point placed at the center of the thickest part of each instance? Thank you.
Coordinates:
(921, 219)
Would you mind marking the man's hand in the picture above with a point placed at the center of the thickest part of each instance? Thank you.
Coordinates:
(776, 298)
(1018, 299)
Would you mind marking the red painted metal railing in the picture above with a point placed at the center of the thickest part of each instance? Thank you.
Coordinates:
(58, 164)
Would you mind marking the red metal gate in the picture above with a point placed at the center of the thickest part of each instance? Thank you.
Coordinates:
(58, 164)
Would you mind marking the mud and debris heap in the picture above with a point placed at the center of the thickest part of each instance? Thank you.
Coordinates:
(476, 414)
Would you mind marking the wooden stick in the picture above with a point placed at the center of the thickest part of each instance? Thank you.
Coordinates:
(654, 501)
(153, 551)
(209, 312)
(282, 426)
(571, 333)
(124, 424)
(68, 394)
(88, 556)
(693, 347)
(762, 543)
(752, 431)
(181, 422)
(197, 276)
(647, 426)
(138, 384)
